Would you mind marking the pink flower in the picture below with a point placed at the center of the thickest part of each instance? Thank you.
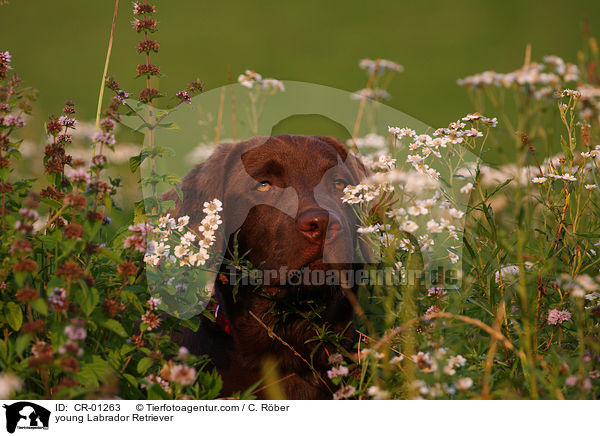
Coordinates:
(337, 371)
(5, 57)
(141, 228)
(184, 96)
(558, 316)
(335, 358)
(58, 299)
(155, 379)
(183, 353)
(79, 175)
(68, 122)
(345, 392)
(75, 332)
(136, 242)
(153, 303)
(571, 380)
(105, 138)
(183, 374)
(13, 121)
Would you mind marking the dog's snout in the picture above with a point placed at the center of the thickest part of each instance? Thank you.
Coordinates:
(318, 225)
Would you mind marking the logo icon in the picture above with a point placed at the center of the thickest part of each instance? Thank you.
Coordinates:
(26, 415)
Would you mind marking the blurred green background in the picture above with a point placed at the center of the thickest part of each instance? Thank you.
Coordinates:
(59, 46)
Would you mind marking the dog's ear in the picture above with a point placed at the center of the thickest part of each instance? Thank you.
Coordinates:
(351, 160)
(204, 182)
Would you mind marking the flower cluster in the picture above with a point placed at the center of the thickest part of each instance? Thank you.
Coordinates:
(5, 59)
(558, 316)
(541, 79)
(178, 243)
(376, 94)
(380, 66)
(250, 79)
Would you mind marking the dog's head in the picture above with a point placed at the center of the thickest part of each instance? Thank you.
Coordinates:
(282, 200)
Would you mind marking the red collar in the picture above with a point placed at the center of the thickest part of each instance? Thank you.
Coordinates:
(220, 318)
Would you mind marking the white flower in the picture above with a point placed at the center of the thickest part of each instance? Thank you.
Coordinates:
(380, 65)
(434, 227)
(457, 361)
(370, 94)
(273, 84)
(539, 179)
(385, 163)
(9, 383)
(371, 140)
(377, 393)
(180, 251)
(467, 188)
(164, 220)
(401, 132)
(590, 187)
(417, 210)
(187, 239)
(570, 93)
(409, 226)
(183, 221)
(472, 117)
(212, 207)
(473, 133)
(456, 213)
(433, 173)
(199, 258)
(369, 229)
(464, 384)
(413, 159)
(396, 359)
(249, 78)
(211, 222)
(453, 256)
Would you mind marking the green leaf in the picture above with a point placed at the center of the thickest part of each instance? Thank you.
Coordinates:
(99, 366)
(111, 255)
(91, 228)
(192, 323)
(14, 315)
(39, 305)
(169, 126)
(52, 203)
(87, 298)
(87, 377)
(139, 212)
(127, 348)
(135, 162)
(114, 326)
(144, 365)
(4, 352)
(131, 380)
(22, 343)
(155, 392)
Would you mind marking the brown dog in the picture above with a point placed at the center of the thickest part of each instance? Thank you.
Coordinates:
(282, 207)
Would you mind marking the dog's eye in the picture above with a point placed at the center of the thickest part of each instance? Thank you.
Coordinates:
(339, 184)
(263, 186)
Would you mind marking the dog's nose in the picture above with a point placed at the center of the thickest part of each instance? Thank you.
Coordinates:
(318, 225)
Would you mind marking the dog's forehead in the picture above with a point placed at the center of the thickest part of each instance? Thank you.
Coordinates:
(292, 151)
